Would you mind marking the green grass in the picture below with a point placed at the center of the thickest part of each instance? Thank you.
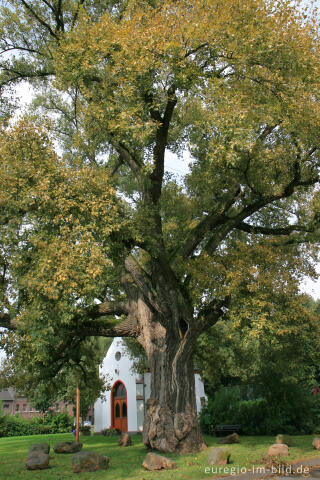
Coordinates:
(125, 463)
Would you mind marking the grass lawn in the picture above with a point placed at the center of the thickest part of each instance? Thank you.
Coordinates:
(125, 462)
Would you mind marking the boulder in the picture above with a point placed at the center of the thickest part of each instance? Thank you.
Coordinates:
(286, 439)
(39, 447)
(89, 462)
(278, 450)
(154, 461)
(233, 438)
(67, 447)
(316, 443)
(124, 440)
(37, 460)
(219, 456)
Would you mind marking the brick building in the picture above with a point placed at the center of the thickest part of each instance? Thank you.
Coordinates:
(13, 403)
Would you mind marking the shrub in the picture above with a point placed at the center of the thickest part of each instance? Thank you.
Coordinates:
(297, 412)
(18, 426)
(107, 432)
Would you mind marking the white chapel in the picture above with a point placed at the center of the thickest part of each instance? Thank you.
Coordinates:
(123, 405)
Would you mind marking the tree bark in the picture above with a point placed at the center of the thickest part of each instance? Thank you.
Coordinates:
(167, 332)
(171, 422)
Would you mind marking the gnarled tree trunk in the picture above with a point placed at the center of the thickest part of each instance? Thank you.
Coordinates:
(171, 422)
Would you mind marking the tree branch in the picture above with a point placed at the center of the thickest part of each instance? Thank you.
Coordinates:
(21, 75)
(247, 211)
(40, 20)
(127, 158)
(96, 311)
(142, 282)
(127, 328)
(75, 17)
(7, 322)
(210, 314)
(49, 5)
(161, 142)
(211, 221)
(245, 227)
(107, 308)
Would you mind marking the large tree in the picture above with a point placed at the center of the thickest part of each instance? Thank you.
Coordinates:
(97, 238)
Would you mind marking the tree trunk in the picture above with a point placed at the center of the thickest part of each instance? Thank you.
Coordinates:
(171, 422)
(168, 334)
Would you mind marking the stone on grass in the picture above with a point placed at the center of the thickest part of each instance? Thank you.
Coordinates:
(86, 461)
(316, 443)
(233, 438)
(67, 447)
(39, 447)
(154, 461)
(124, 440)
(219, 456)
(37, 460)
(286, 439)
(278, 450)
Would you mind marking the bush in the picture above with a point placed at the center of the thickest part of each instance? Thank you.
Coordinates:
(297, 412)
(59, 422)
(11, 426)
(109, 432)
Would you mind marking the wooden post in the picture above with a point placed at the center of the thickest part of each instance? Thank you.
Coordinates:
(77, 411)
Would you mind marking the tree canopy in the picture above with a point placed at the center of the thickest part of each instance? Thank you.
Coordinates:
(97, 238)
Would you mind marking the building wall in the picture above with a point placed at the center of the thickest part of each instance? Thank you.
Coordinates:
(20, 405)
(116, 370)
(23, 407)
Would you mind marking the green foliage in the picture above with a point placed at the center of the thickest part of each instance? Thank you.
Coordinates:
(269, 341)
(110, 432)
(16, 425)
(59, 422)
(137, 355)
(298, 412)
(44, 387)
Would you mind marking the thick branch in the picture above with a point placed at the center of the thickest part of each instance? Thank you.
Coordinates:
(128, 159)
(93, 312)
(127, 328)
(245, 227)
(211, 221)
(161, 141)
(17, 76)
(142, 282)
(234, 222)
(211, 313)
(107, 308)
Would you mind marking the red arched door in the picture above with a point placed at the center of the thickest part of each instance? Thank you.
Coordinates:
(119, 407)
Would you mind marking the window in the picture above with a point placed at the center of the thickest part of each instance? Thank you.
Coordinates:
(24, 407)
(120, 390)
(117, 410)
(6, 405)
(57, 407)
(118, 356)
(124, 409)
(17, 407)
(31, 408)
